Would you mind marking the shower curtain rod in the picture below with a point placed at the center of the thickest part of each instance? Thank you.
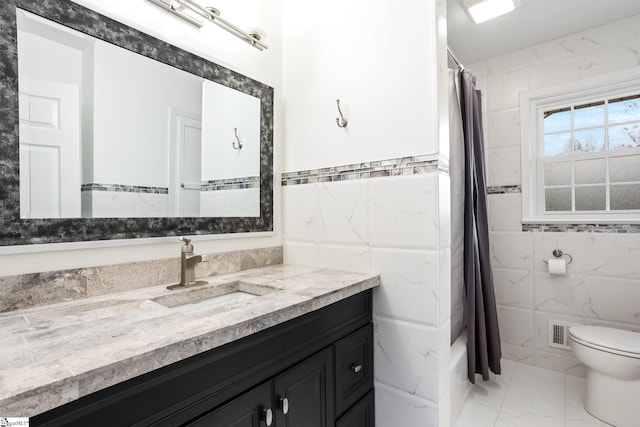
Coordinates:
(454, 58)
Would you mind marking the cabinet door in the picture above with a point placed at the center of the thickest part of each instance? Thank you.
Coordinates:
(250, 409)
(360, 415)
(304, 393)
(354, 368)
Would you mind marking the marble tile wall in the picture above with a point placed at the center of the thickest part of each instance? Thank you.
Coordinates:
(29, 290)
(240, 202)
(396, 225)
(124, 204)
(602, 285)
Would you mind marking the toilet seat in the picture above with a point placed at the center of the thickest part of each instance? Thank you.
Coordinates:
(617, 341)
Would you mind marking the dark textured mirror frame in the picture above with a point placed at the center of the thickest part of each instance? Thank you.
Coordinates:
(17, 231)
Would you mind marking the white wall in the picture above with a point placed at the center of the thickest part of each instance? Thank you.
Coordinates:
(382, 62)
(227, 111)
(133, 97)
(377, 60)
(213, 44)
(603, 282)
(49, 60)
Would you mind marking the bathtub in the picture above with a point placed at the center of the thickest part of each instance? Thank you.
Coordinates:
(460, 385)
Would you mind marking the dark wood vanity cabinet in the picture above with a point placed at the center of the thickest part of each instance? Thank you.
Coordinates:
(312, 371)
(300, 396)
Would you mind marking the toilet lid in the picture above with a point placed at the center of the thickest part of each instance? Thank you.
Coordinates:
(609, 338)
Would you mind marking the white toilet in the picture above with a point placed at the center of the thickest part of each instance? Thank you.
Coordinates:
(612, 358)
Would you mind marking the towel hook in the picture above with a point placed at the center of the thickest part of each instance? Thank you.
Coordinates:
(558, 253)
(341, 121)
(239, 146)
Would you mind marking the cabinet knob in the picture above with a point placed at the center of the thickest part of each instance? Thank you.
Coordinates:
(284, 405)
(356, 368)
(267, 416)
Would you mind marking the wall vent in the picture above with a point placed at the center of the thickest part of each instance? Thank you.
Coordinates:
(559, 334)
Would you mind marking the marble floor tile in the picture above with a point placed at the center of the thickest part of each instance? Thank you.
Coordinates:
(527, 396)
(476, 415)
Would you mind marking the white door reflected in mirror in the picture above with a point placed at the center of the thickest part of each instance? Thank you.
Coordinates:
(49, 149)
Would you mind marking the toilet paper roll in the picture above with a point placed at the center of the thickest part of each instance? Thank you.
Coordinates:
(558, 266)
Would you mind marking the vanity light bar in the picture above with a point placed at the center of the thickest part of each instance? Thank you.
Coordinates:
(180, 7)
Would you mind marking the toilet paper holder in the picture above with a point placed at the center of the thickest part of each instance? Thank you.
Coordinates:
(558, 253)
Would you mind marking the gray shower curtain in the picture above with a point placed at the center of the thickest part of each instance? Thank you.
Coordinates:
(483, 335)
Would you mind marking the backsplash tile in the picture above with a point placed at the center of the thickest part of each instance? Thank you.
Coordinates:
(411, 165)
(29, 290)
(581, 228)
(124, 188)
(504, 189)
(231, 183)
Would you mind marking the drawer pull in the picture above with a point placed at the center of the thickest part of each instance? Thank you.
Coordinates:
(356, 368)
(267, 417)
(284, 405)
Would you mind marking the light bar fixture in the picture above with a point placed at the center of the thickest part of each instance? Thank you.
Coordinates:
(484, 10)
(191, 11)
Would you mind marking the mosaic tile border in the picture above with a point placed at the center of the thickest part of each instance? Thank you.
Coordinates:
(231, 183)
(400, 166)
(582, 228)
(120, 188)
(504, 189)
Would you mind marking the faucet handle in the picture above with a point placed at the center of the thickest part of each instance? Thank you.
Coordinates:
(187, 247)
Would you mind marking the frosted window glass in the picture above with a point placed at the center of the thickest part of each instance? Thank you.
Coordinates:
(591, 198)
(557, 173)
(588, 116)
(587, 141)
(624, 111)
(559, 143)
(624, 169)
(557, 120)
(590, 171)
(624, 136)
(625, 196)
(557, 199)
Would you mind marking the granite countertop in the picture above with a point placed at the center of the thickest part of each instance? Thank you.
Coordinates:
(53, 354)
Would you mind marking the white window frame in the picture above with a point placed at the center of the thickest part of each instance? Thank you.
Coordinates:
(574, 93)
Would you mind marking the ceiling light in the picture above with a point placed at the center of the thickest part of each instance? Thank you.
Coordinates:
(483, 10)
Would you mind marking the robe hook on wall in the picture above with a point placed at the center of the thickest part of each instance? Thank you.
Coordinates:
(341, 121)
(239, 145)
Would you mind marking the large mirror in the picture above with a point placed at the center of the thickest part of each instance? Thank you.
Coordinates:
(110, 133)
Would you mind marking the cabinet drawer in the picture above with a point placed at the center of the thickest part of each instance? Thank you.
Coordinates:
(354, 367)
(362, 414)
(246, 410)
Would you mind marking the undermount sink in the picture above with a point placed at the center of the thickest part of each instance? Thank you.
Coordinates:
(212, 296)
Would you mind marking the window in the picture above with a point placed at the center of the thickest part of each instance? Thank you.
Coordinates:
(581, 153)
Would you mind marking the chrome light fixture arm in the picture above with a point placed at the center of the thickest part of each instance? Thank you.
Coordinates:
(210, 14)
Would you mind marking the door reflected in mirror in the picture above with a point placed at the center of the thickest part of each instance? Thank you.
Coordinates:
(108, 133)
